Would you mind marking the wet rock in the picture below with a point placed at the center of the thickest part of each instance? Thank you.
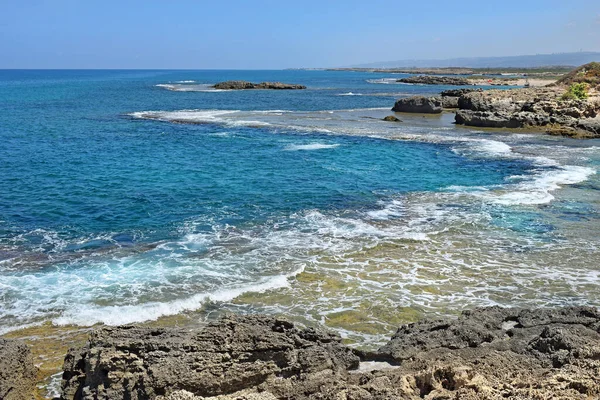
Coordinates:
(392, 118)
(435, 80)
(17, 372)
(242, 85)
(419, 105)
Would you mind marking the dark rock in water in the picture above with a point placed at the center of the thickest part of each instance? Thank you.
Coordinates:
(435, 80)
(490, 353)
(241, 85)
(392, 118)
(458, 92)
(17, 372)
(419, 104)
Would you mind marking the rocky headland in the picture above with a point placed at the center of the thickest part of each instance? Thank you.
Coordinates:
(490, 353)
(530, 108)
(244, 85)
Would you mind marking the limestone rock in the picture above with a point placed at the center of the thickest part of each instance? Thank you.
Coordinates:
(17, 372)
(419, 105)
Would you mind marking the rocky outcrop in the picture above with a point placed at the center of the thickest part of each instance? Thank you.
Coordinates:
(17, 372)
(490, 353)
(391, 118)
(230, 355)
(241, 85)
(435, 80)
(526, 108)
(419, 104)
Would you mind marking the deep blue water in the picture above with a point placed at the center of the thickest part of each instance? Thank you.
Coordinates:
(82, 181)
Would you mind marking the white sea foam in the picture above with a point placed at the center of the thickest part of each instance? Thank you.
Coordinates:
(384, 81)
(350, 94)
(390, 210)
(189, 86)
(537, 189)
(310, 146)
(126, 314)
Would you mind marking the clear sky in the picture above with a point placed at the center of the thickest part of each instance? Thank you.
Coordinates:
(281, 34)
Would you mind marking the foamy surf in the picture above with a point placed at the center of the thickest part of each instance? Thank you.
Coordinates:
(310, 146)
(89, 315)
(537, 189)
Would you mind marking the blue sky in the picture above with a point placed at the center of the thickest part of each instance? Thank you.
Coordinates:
(282, 34)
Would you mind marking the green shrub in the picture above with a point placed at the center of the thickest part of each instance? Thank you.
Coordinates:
(577, 91)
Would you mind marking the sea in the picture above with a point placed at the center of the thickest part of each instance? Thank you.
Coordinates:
(135, 196)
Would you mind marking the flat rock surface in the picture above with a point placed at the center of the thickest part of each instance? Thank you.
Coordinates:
(489, 353)
(435, 80)
(17, 372)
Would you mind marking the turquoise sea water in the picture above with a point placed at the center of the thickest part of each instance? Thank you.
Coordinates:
(130, 195)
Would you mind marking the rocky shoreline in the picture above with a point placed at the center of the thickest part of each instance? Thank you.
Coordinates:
(435, 80)
(526, 108)
(489, 353)
(245, 85)
(530, 108)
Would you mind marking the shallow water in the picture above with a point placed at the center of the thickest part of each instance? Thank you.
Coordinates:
(127, 196)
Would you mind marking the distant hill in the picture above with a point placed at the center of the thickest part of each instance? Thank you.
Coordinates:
(530, 61)
(588, 73)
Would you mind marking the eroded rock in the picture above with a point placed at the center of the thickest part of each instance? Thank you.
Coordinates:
(419, 105)
(526, 108)
(17, 372)
(491, 353)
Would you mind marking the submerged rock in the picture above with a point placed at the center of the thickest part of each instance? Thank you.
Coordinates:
(241, 85)
(419, 105)
(392, 118)
(435, 80)
(17, 372)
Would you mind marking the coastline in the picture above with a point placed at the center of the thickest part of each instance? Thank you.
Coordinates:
(395, 243)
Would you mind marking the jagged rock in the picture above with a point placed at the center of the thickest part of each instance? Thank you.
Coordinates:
(435, 80)
(242, 85)
(491, 353)
(524, 108)
(392, 118)
(230, 355)
(17, 372)
(451, 97)
(449, 102)
(419, 105)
